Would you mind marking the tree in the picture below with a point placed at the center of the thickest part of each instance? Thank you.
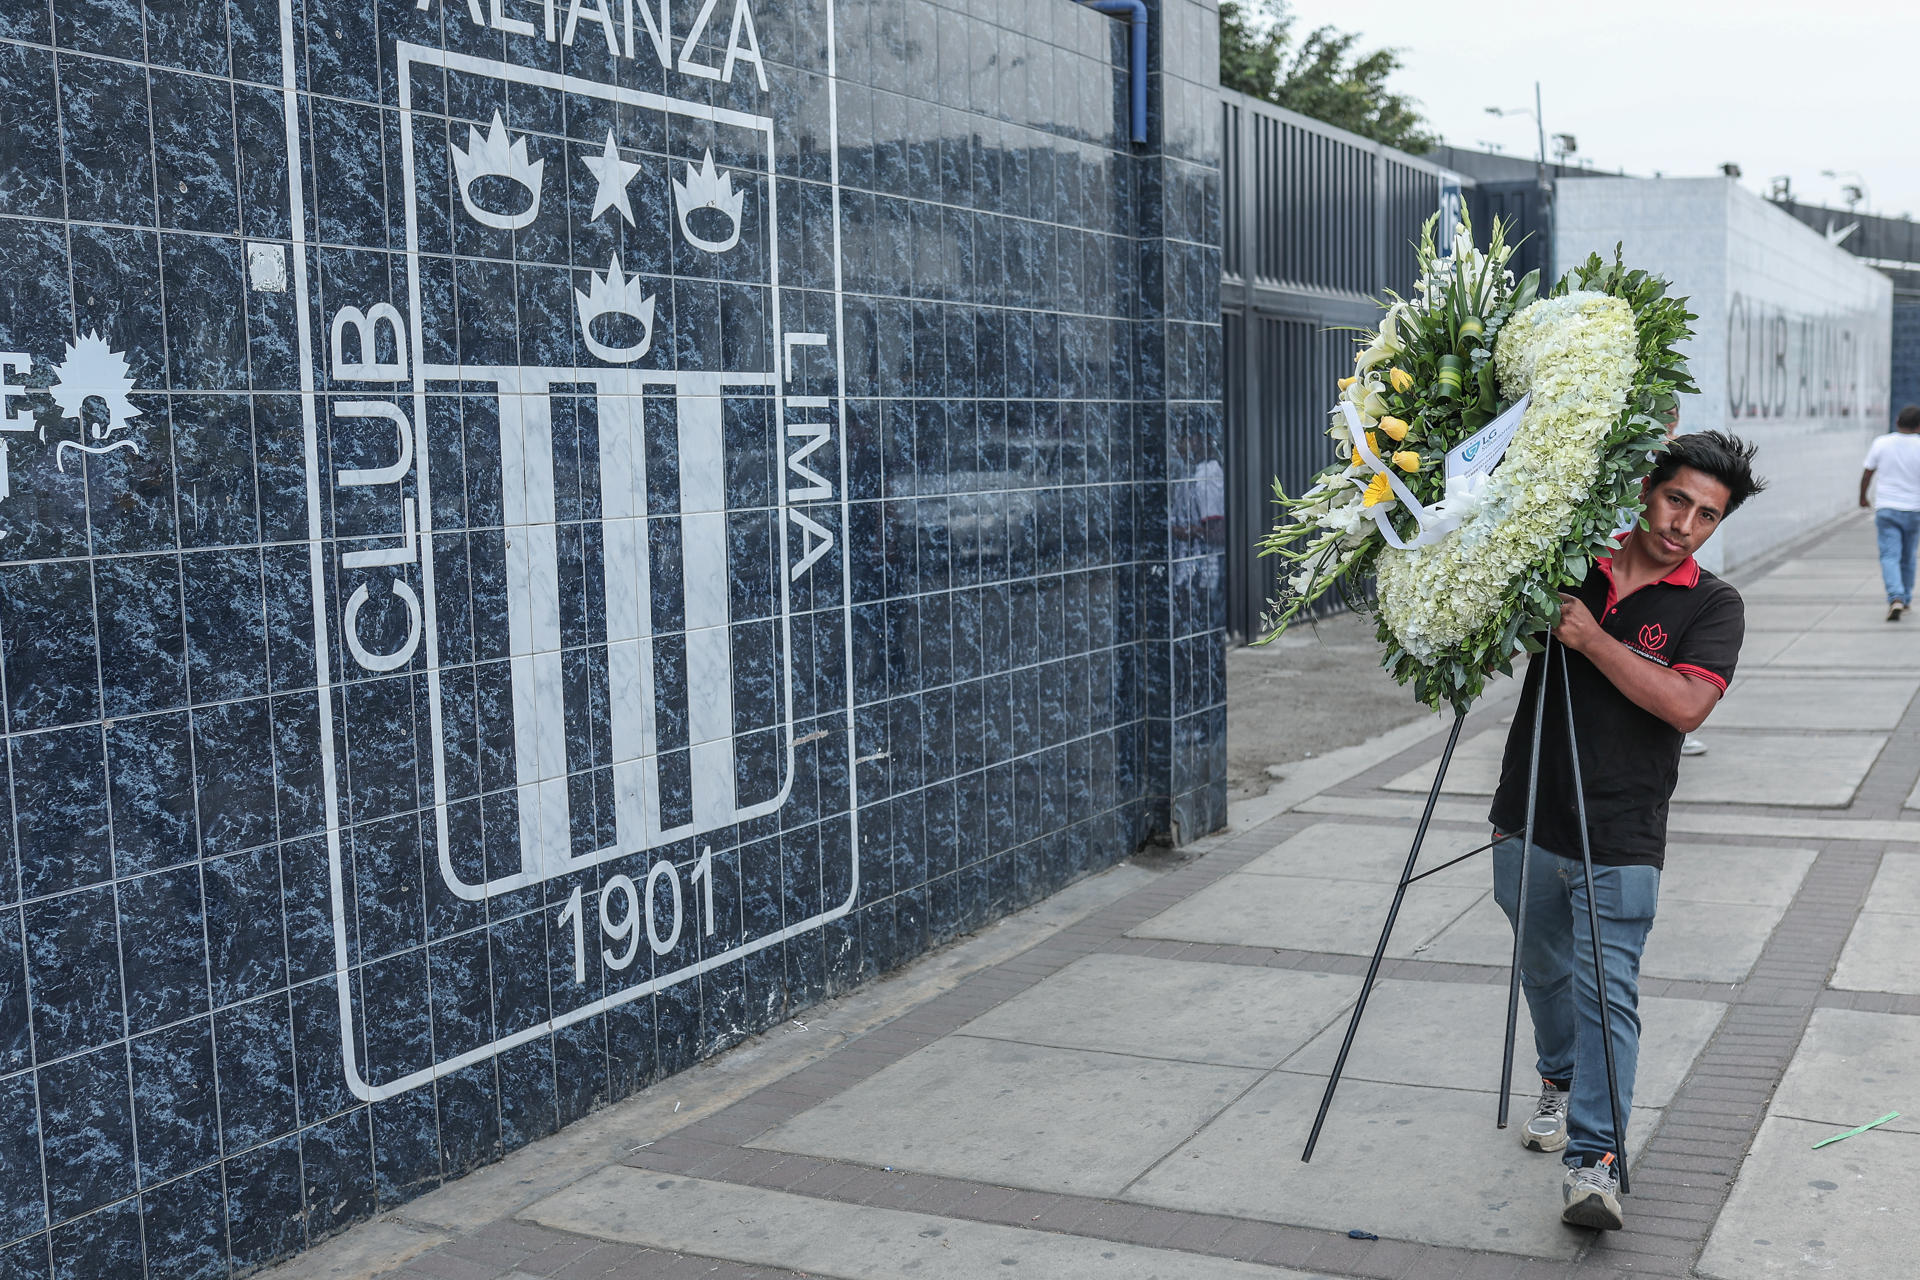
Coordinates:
(1319, 76)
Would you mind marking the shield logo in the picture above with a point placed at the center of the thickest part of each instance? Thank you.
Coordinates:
(577, 537)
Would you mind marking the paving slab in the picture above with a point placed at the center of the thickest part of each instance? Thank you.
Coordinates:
(855, 1242)
(1880, 954)
(1782, 701)
(1843, 1212)
(1744, 875)
(1474, 771)
(1801, 770)
(1460, 1029)
(1681, 819)
(1861, 614)
(1374, 852)
(1786, 618)
(1893, 649)
(1707, 941)
(1851, 575)
(1018, 1115)
(1771, 590)
(1226, 1014)
(1306, 914)
(1896, 886)
(1852, 1067)
(1741, 875)
(1404, 1162)
(1761, 647)
(1693, 941)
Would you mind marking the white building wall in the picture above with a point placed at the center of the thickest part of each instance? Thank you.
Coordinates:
(1792, 347)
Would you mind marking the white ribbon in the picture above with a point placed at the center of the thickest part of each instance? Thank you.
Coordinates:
(1436, 522)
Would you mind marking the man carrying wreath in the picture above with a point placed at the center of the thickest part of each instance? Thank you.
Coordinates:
(1650, 642)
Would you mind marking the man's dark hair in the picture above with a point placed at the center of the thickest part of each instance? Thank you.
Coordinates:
(1909, 419)
(1725, 457)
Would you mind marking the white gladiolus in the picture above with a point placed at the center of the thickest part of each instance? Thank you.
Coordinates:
(1390, 327)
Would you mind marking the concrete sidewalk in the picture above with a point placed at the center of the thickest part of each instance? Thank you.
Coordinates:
(1118, 1082)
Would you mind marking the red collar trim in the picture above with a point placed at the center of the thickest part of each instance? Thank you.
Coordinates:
(1685, 574)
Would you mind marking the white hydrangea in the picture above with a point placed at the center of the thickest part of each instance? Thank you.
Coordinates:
(1575, 353)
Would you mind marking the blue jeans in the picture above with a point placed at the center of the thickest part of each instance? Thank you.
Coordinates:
(1899, 533)
(1556, 972)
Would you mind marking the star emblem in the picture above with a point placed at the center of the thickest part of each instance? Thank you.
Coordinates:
(614, 174)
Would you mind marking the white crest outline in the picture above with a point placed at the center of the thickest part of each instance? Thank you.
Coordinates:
(708, 187)
(497, 155)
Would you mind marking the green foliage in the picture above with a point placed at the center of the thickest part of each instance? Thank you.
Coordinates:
(1456, 326)
(1627, 455)
(1453, 326)
(1320, 76)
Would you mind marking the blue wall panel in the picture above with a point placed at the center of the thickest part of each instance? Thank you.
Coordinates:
(533, 547)
(1906, 356)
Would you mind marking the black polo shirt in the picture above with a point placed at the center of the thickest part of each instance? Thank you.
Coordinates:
(1690, 621)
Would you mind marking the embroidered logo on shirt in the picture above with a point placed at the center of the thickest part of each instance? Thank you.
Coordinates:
(1653, 638)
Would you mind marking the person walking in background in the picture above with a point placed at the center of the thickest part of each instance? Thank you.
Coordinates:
(1893, 469)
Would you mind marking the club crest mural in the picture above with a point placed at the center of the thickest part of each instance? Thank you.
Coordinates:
(599, 655)
(538, 539)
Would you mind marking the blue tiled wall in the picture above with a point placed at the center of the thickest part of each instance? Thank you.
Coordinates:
(492, 613)
(1906, 357)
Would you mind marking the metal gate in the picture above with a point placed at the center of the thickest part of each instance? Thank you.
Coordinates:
(1317, 222)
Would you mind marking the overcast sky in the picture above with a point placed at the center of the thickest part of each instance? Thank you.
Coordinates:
(1681, 86)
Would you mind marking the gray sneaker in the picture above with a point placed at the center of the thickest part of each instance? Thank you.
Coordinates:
(1590, 1197)
(1547, 1131)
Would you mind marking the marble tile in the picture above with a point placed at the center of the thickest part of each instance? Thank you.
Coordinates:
(649, 631)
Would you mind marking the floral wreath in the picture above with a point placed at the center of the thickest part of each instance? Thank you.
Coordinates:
(1490, 443)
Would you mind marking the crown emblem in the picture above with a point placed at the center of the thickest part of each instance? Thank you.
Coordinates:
(93, 369)
(493, 157)
(614, 294)
(708, 187)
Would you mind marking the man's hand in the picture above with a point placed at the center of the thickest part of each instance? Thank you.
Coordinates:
(1682, 700)
(1577, 629)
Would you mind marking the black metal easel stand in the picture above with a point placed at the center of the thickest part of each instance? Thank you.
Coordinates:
(1373, 970)
(1407, 877)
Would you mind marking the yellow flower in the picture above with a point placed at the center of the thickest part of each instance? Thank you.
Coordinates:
(1407, 460)
(1347, 382)
(1378, 491)
(1373, 444)
(1400, 380)
(1396, 430)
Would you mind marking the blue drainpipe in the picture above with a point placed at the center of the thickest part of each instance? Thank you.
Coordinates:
(1135, 11)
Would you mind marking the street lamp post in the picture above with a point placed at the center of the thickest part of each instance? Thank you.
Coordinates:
(1539, 124)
